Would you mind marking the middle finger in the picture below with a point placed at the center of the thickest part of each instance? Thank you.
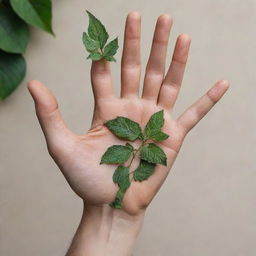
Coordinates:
(155, 69)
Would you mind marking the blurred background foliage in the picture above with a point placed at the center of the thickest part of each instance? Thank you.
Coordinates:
(15, 18)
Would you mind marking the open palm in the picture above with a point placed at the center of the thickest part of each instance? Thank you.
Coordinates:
(78, 156)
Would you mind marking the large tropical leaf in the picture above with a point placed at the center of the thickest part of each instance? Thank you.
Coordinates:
(12, 72)
(14, 33)
(35, 12)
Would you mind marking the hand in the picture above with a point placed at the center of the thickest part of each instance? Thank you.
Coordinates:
(78, 156)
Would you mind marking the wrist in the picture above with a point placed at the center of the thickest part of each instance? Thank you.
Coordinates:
(106, 231)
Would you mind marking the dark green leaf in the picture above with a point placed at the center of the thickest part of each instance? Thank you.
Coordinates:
(116, 154)
(14, 32)
(155, 123)
(94, 56)
(110, 58)
(5, 3)
(158, 136)
(111, 48)
(12, 72)
(153, 154)
(121, 176)
(117, 203)
(144, 170)
(35, 12)
(96, 30)
(90, 44)
(124, 127)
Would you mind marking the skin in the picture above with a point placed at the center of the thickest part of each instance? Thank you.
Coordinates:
(78, 156)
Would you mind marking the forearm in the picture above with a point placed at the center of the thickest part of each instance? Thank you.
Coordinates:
(105, 231)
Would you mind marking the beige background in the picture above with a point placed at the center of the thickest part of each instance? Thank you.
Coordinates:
(207, 205)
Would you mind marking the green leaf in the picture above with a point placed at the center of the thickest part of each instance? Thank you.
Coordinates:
(117, 203)
(94, 56)
(144, 170)
(12, 72)
(153, 154)
(111, 48)
(121, 176)
(110, 58)
(155, 123)
(14, 33)
(90, 44)
(158, 136)
(116, 154)
(38, 13)
(124, 128)
(96, 30)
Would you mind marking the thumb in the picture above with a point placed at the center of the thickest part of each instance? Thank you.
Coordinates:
(49, 116)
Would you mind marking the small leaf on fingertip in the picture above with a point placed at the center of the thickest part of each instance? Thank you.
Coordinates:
(90, 44)
(94, 56)
(111, 48)
(97, 30)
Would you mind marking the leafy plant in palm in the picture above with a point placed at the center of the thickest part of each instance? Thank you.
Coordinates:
(150, 154)
(15, 17)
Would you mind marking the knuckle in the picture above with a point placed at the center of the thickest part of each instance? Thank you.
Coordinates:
(159, 41)
(213, 96)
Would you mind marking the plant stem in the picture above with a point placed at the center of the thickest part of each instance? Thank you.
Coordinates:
(135, 153)
(101, 52)
(132, 176)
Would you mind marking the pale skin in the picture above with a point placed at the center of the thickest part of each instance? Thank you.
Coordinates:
(104, 230)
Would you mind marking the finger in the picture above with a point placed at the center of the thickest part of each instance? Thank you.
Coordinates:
(48, 114)
(172, 82)
(201, 107)
(155, 68)
(101, 79)
(130, 64)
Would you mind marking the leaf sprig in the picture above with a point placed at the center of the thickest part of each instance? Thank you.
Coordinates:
(150, 154)
(95, 41)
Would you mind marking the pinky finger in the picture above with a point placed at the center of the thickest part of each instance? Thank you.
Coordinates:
(190, 117)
